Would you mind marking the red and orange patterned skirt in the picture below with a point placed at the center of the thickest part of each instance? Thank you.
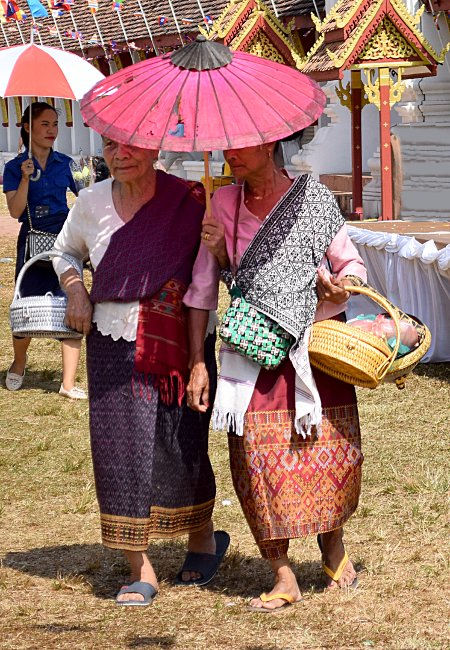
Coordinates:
(288, 486)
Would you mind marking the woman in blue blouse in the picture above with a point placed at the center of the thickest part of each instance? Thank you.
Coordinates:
(47, 203)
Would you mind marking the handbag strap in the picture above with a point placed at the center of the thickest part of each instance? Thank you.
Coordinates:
(34, 230)
(29, 217)
(235, 232)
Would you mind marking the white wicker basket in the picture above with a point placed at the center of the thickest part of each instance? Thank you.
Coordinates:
(42, 316)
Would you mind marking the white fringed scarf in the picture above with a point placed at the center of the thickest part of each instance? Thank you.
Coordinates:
(277, 275)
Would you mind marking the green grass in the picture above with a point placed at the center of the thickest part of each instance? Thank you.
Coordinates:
(56, 581)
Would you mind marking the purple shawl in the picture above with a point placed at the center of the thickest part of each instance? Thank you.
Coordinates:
(159, 243)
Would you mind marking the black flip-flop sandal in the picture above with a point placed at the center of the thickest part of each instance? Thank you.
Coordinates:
(207, 564)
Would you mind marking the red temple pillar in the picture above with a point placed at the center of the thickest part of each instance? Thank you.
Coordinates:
(387, 209)
(356, 99)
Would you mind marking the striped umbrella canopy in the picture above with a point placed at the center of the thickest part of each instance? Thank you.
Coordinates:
(202, 97)
(41, 71)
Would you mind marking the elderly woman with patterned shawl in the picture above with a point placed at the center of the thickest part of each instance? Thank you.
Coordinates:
(294, 438)
(141, 231)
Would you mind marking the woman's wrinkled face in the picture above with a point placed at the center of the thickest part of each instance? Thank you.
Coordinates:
(249, 160)
(127, 163)
(44, 129)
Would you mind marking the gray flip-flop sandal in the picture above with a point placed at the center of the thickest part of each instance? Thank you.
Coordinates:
(145, 589)
(206, 564)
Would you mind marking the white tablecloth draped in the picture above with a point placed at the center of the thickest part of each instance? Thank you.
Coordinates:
(414, 276)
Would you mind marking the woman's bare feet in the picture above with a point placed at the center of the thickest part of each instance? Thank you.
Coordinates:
(285, 583)
(202, 541)
(333, 553)
(141, 570)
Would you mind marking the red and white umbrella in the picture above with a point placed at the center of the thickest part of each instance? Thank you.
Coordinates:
(39, 71)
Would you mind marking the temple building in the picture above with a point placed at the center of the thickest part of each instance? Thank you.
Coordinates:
(381, 63)
(139, 29)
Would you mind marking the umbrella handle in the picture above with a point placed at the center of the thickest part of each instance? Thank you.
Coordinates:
(37, 173)
(207, 183)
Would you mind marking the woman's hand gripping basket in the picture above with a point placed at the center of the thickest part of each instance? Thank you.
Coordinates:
(42, 316)
(362, 358)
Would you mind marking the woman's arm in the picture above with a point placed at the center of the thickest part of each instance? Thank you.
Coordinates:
(213, 236)
(79, 307)
(201, 297)
(71, 240)
(17, 199)
(344, 260)
(198, 387)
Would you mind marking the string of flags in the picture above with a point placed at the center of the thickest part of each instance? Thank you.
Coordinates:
(10, 12)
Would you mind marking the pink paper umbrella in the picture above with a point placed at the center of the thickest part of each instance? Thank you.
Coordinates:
(202, 97)
(40, 71)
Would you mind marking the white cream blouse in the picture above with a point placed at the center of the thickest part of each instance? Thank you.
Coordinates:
(86, 235)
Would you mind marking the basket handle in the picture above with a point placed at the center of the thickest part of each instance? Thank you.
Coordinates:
(41, 256)
(393, 312)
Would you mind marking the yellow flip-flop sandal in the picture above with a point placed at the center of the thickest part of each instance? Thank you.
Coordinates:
(289, 600)
(336, 575)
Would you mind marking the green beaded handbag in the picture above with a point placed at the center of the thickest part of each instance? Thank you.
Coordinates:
(249, 332)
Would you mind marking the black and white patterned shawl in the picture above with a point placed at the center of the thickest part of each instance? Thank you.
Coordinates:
(277, 272)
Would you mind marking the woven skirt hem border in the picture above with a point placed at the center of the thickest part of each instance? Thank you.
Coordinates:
(312, 530)
(133, 534)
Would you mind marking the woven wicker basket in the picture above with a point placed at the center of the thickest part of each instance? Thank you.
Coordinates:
(402, 366)
(41, 316)
(350, 354)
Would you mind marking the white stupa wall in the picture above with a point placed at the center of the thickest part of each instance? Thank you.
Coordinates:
(424, 132)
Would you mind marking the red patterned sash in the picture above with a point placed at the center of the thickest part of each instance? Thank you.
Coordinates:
(161, 341)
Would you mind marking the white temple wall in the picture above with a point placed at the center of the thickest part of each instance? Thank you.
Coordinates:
(424, 132)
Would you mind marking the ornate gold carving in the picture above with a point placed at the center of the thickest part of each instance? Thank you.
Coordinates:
(18, 110)
(371, 88)
(396, 37)
(303, 61)
(261, 46)
(418, 15)
(410, 20)
(317, 22)
(337, 60)
(4, 112)
(299, 61)
(239, 18)
(344, 94)
(388, 43)
(397, 88)
(68, 109)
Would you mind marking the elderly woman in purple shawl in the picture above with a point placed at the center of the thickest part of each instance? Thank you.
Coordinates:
(141, 231)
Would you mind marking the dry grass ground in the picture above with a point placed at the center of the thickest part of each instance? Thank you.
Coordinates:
(56, 581)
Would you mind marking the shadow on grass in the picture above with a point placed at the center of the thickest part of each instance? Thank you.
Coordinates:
(433, 370)
(151, 642)
(104, 571)
(59, 628)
